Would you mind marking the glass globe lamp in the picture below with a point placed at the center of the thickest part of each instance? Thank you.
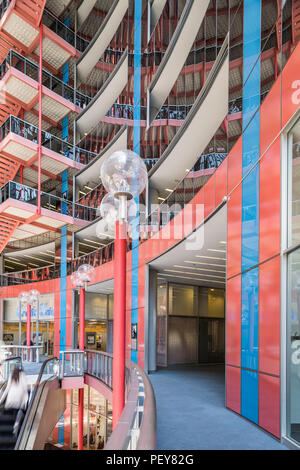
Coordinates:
(34, 296)
(124, 173)
(76, 280)
(24, 297)
(86, 272)
(110, 206)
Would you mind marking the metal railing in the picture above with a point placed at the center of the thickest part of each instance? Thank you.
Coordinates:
(99, 365)
(136, 429)
(26, 353)
(50, 141)
(71, 363)
(64, 31)
(29, 68)
(20, 192)
(4, 6)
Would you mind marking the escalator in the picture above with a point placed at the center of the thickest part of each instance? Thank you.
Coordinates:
(47, 403)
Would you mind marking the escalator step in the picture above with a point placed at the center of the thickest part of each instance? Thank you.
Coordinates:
(6, 428)
(7, 439)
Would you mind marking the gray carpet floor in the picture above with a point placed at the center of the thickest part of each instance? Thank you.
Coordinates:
(191, 413)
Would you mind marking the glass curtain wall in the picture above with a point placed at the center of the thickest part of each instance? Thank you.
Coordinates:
(293, 292)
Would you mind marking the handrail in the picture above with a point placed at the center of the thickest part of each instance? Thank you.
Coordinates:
(33, 396)
(5, 362)
(136, 429)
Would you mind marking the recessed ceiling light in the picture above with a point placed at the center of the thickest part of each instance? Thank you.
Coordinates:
(210, 257)
(206, 264)
(195, 274)
(214, 249)
(170, 190)
(194, 278)
(198, 269)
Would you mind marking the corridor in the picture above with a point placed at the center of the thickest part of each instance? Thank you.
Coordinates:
(191, 413)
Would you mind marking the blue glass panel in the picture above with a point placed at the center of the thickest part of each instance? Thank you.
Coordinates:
(251, 140)
(250, 219)
(136, 148)
(249, 321)
(249, 395)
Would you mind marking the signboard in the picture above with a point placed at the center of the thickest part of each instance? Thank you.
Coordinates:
(46, 310)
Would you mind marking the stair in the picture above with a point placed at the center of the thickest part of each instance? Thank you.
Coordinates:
(8, 169)
(32, 10)
(7, 228)
(7, 107)
(296, 21)
(7, 439)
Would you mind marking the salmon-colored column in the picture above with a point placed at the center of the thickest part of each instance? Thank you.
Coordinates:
(119, 322)
(28, 332)
(40, 120)
(81, 348)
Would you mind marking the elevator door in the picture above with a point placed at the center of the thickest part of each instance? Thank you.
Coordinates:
(211, 340)
(182, 340)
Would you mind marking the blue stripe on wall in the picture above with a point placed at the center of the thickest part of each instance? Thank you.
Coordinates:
(249, 323)
(250, 209)
(249, 402)
(136, 148)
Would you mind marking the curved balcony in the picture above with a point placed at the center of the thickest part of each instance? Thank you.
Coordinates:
(119, 142)
(104, 99)
(20, 81)
(175, 56)
(102, 38)
(207, 114)
(155, 8)
(19, 141)
(19, 203)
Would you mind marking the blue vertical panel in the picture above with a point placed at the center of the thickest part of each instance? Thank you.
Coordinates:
(250, 219)
(251, 132)
(249, 395)
(251, 59)
(249, 322)
(136, 148)
(64, 242)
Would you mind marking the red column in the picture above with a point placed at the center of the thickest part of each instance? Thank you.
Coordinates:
(28, 331)
(81, 348)
(40, 120)
(119, 323)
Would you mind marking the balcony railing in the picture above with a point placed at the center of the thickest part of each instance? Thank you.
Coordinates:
(29, 68)
(50, 141)
(64, 31)
(99, 365)
(22, 193)
(4, 6)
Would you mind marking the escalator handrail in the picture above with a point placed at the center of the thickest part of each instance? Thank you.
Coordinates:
(32, 399)
(13, 358)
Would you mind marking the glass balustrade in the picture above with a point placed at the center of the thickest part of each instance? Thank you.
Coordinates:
(30, 132)
(29, 68)
(22, 193)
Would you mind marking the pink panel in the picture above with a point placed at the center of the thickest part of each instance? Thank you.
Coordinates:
(269, 316)
(56, 322)
(233, 388)
(221, 182)
(233, 321)
(269, 209)
(209, 196)
(141, 329)
(270, 117)
(269, 403)
(291, 86)
(234, 232)
(199, 207)
(235, 165)
(69, 319)
(141, 286)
